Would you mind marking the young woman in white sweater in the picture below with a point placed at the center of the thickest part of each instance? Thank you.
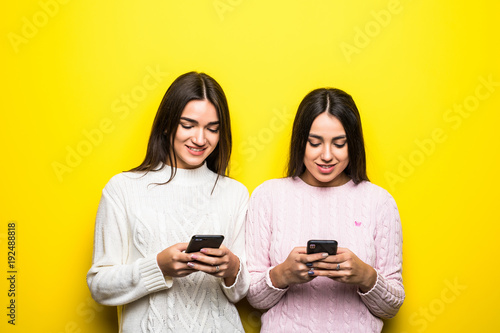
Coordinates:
(326, 196)
(147, 215)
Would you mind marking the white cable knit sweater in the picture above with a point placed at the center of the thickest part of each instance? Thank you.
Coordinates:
(136, 220)
(285, 213)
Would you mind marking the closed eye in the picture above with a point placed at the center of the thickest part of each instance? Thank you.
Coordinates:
(339, 145)
(314, 144)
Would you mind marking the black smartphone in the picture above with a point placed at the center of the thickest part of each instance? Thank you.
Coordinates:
(319, 246)
(198, 242)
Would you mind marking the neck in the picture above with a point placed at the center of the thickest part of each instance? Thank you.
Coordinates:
(340, 180)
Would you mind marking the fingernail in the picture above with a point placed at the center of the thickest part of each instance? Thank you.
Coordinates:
(203, 250)
(325, 255)
(309, 264)
(194, 256)
(190, 264)
(311, 272)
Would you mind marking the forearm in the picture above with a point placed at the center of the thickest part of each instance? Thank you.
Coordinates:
(231, 279)
(385, 298)
(262, 293)
(369, 279)
(387, 295)
(236, 288)
(277, 277)
(122, 284)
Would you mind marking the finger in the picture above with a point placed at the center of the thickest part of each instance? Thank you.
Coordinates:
(313, 257)
(183, 257)
(339, 257)
(181, 246)
(334, 259)
(341, 250)
(312, 274)
(195, 266)
(214, 252)
(328, 273)
(217, 270)
(180, 270)
(177, 256)
(328, 266)
(208, 260)
(300, 249)
(185, 272)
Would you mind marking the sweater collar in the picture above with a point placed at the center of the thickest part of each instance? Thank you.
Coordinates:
(196, 176)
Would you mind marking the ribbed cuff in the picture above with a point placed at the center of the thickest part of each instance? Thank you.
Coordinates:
(151, 275)
(262, 294)
(382, 300)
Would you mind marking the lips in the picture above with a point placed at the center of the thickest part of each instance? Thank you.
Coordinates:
(195, 150)
(325, 168)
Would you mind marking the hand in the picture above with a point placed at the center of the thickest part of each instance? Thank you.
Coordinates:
(219, 262)
(352, 270)
(173, 261)
(294, 269)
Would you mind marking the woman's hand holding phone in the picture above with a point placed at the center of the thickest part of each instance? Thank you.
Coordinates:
(219, 262)
(294, 269)
(173, 261)
(346, 267)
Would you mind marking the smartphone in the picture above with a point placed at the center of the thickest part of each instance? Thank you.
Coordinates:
(319, 246)
(198, 242)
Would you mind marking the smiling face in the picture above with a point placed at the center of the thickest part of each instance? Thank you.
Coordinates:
(197, 134)
(326, 154)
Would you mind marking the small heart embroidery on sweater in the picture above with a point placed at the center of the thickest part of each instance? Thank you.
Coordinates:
(357, 224)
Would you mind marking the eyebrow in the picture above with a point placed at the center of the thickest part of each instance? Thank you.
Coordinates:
(196, 122)
(321, 138)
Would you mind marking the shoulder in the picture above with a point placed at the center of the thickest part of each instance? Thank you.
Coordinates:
(375, 193)
(232, 186)
(127, 177)
(371, 188)
(120, 182)
(274, 186)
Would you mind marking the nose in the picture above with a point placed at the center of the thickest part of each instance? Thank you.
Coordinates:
(199, 137)
(327, 154)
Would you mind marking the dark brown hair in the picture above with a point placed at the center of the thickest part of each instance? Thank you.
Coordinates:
(187, 87)
(340, 105)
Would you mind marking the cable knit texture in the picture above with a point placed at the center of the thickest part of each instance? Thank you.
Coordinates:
(136, 220)
(285, 213)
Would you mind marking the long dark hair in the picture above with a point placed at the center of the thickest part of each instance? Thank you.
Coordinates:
(340, 105)
(187, 87)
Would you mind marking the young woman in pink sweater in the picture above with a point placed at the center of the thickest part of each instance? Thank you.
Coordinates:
(327, 195)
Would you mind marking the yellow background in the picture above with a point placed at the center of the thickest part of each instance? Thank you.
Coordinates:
(78, 100)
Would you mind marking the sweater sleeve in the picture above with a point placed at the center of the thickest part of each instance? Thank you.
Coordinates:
(239, 288)
(262, 294)
(110, 279)
(387, 295)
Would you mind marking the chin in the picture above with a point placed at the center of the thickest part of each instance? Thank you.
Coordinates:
(185, 163)
(196, 164)
(327, 181)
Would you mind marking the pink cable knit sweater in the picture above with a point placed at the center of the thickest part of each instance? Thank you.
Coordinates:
(285, 213)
